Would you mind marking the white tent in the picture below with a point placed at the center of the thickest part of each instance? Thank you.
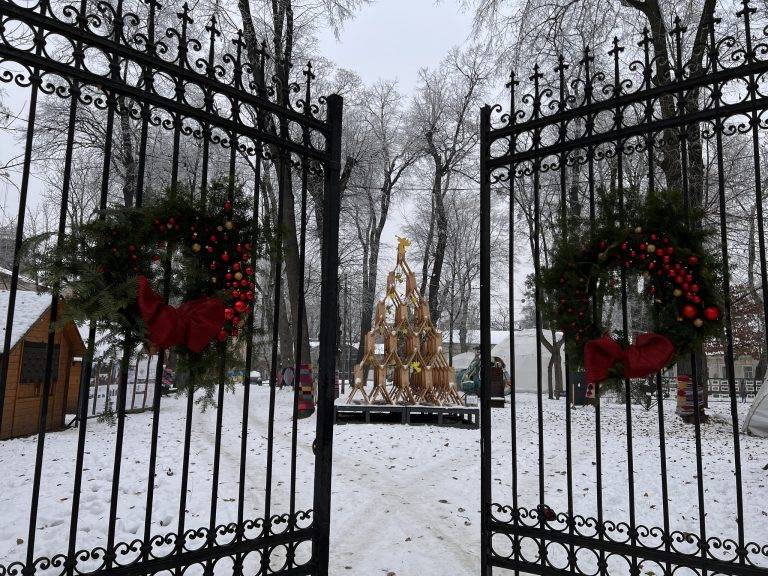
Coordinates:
(756, 423)
(463, 360)
(525, 360)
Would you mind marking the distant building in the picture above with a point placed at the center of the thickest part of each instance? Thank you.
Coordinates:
(26, 365)
(718, 385)
(743, 366)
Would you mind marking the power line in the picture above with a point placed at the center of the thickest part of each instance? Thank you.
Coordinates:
(413, 189)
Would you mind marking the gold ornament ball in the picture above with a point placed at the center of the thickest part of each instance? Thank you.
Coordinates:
(213, 279)
(639, 230)
(229, 224)
(677, 292)
(698, 322)
(651, 248)
(602, 256)
(238, 276)
(196, 247)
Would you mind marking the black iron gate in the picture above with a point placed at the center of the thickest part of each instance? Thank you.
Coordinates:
(615, 488)
(153, 107)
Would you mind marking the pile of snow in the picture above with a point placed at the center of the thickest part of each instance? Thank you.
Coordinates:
(525, 360)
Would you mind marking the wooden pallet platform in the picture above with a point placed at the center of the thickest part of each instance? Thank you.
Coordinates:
(468, 416)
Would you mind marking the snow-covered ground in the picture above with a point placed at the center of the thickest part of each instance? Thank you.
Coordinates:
(718, 470)
(405, 498)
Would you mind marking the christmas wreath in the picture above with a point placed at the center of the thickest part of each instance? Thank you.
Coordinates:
(678, 280)
(114, 269)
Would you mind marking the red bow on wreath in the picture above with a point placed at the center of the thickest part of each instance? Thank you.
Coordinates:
(649, 354)
(193, 324)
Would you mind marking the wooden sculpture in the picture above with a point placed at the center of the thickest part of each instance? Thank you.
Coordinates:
(409, 367)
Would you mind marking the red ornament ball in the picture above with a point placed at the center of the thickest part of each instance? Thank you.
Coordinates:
(228, 313)
(689, 312)
(711, 313)
(693, 260)
(240, 306)
(222, 335)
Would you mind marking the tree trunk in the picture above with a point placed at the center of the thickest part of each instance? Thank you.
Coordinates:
(550, 369)
(757, 299)
(557, 365)
(427, 257)
(365, 310)
(441, 222)
(129, 160)
(282, 21)
(287, 339)
(293, 271)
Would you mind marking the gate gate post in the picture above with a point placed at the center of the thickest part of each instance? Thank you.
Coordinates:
(485, 345)
(328, 335)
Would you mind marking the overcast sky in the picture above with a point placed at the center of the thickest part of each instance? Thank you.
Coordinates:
(395, 38)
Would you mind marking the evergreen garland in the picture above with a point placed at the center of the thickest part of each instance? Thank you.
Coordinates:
(681, 280)
(201, 246)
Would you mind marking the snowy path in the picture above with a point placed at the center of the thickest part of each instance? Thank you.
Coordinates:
(405, 498)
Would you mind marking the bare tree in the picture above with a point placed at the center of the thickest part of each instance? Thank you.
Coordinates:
(445, 111)
(391, 151)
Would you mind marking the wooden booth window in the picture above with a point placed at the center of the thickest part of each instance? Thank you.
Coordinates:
(33, 367)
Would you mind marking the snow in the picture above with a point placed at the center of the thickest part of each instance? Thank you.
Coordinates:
(405, 498)
(8, 273)
(28, 308)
